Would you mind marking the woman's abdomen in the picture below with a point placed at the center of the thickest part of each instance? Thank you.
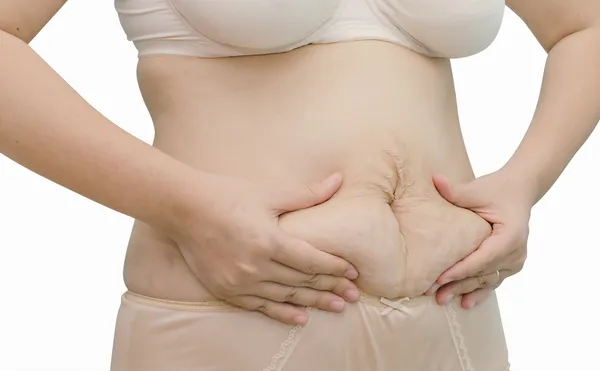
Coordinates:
(382, 115)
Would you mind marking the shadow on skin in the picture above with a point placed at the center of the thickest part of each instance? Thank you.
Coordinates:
(401, 248)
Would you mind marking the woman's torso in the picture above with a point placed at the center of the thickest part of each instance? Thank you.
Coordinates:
(381, 114)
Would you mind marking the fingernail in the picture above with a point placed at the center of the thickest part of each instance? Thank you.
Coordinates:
(352, 273)
(301, 320)
(470, 304)
(351, 294)
(433, 289)
(337, 305)
(445, 281)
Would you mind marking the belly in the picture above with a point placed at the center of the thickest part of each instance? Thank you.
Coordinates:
(382, 115)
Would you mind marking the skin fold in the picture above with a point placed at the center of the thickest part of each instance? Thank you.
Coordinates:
(387, 219)
(233, 134)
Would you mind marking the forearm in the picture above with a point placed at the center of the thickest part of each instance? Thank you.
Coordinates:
(48, 128)
(567, 112)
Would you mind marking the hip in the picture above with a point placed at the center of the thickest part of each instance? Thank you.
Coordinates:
(372, 334)
(387, 219)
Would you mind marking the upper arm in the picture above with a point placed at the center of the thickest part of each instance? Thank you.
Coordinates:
(552, 20)
(25, 18)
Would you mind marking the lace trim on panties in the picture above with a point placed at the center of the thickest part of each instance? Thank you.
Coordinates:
(286, 348)
(459, 339)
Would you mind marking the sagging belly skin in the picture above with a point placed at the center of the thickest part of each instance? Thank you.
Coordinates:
(380, 114)
(400, 241)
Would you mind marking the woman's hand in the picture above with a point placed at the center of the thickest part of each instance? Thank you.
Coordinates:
(501, 200)
(234, 246)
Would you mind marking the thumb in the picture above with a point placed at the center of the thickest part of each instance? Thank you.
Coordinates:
(309, 194)
(459, 195)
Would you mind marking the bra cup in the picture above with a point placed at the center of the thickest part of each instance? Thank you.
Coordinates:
(447, 28)
(256, 24)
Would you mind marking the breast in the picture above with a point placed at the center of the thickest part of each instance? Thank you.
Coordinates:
(226, 28)
(256, 24)
(447, 28)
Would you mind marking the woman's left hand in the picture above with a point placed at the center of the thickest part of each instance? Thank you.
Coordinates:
(504, 202)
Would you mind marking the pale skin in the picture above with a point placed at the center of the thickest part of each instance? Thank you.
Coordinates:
(220, 227)
(568, 110)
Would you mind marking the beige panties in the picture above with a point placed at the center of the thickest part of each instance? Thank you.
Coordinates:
(371, 335)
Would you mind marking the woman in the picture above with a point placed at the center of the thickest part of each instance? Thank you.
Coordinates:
(253, 105)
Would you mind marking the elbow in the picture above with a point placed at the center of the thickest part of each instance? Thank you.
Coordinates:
(7, 39)
(7, 34)
(15, 29)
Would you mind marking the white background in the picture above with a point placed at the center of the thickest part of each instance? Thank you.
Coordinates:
(61, 255)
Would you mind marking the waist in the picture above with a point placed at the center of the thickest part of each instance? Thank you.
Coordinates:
(302, 114)
(386, 122)
(220, 304)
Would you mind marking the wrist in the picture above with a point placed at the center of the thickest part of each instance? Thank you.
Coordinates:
(186, 200)
(524, 180)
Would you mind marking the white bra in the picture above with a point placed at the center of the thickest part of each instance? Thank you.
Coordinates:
(225, 28)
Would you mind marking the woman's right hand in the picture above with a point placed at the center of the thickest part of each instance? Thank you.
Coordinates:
(234, 246)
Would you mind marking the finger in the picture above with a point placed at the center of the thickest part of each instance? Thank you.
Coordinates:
(483, 260)
(307, 195)
(465, 286)
(444, 188)
(502, 275)
(489, 280)
(300, 296)
(451, 290)
(459, 195)
(473, 299)
(340, 286)
(433, 289)
(302, 256)
(282, 312)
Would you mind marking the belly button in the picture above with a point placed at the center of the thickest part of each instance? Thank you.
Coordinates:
(389, 192)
